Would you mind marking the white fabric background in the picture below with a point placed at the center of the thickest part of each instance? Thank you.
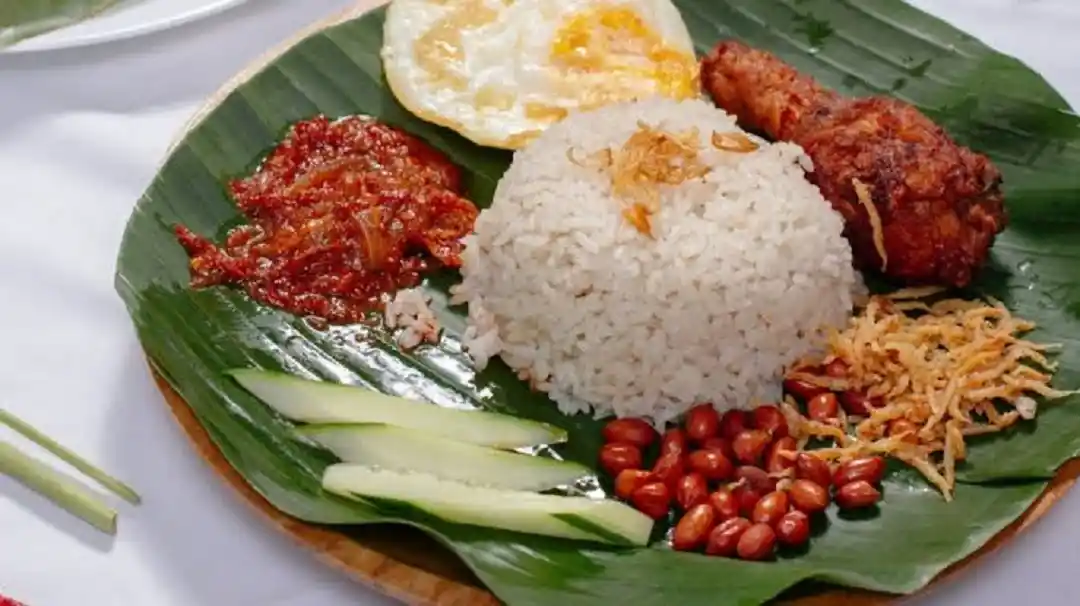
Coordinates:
(81, 134)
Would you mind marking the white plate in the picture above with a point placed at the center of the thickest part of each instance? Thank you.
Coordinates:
(126, 20)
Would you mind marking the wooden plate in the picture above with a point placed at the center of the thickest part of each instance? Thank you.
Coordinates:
(406, 564)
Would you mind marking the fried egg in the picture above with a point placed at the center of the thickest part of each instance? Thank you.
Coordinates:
(500, 71)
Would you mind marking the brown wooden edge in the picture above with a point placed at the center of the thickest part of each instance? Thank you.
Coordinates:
(402, 562)
(395, 560)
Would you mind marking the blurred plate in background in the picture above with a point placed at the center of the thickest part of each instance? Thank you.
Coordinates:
(127, 20)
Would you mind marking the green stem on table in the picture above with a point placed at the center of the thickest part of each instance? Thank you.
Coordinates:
(63, 491)
(116, 486)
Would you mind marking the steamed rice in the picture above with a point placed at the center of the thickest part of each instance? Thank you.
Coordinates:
(745, 270)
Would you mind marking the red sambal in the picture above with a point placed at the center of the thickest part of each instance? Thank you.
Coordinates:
(342, 212)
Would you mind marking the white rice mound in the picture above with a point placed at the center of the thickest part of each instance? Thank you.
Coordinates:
(747, 269)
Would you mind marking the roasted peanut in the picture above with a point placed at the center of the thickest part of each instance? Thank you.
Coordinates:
(669, 468)
(750, 445)
(866, 469)
(793, 529)
(702, 422)
(747, 498)
(813, 468)
(691, 490)
(630, 431)
(617, 456)
(823, 407)
(808, 497)
(757, 478)
(723, 501)
(653, 500)
(692, 530)
(770, 508)
(781, 455)
(770, 420)
(630, 480)
(756, 543)
(724, 539)
(858, 403)
(712, 464)
(857, 495)
(802, 390)
(718, 443)
(733, 423)
(836, 369)
(674, 440)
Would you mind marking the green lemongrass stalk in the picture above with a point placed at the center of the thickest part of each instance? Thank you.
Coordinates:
(65, 492)
(116, 486)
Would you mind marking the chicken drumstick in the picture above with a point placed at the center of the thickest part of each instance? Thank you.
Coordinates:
(939, 205)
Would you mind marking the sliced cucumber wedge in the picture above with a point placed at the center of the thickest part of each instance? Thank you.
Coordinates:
(580, 518)
(321, 402)
(408, 450)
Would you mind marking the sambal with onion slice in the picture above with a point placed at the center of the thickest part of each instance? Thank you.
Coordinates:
(341, 213)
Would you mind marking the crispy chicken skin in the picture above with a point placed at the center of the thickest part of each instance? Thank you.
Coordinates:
(940, 204)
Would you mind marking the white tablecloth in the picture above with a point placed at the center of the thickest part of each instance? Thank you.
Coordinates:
(81, 133)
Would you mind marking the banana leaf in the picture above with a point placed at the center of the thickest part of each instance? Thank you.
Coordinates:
(22, 19)
(985, 99)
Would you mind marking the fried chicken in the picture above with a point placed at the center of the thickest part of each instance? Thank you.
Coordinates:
(939, 204)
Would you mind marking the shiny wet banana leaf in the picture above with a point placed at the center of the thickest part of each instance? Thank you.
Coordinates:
(987, 100)
(22, 19)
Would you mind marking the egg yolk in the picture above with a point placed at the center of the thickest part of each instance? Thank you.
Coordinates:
(631, 59)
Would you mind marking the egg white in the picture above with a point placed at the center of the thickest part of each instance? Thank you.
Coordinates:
(488, 87)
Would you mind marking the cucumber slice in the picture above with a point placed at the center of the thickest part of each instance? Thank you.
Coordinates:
(321, 402)
(407, 450)
(580, 518)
